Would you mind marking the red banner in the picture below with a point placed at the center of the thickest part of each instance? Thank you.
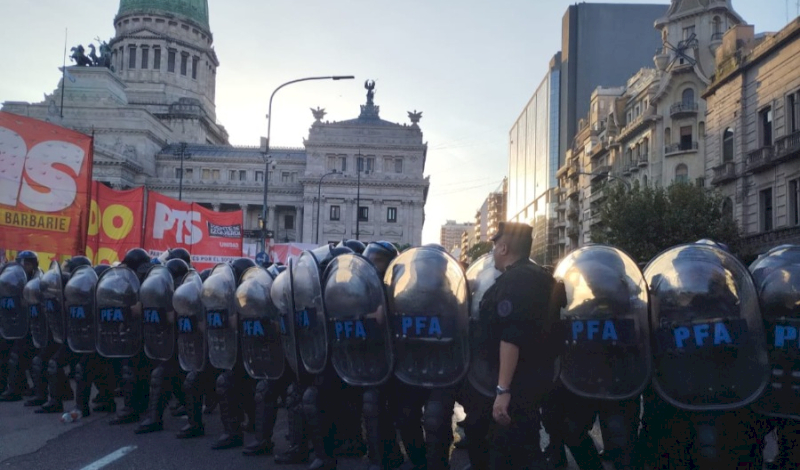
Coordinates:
(115, 223)
(45, 176)
(211, 237)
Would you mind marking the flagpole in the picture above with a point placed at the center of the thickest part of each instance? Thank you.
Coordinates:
(64, 73)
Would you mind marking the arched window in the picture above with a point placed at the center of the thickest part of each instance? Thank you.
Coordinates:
(688, 96)
(645, 147)
(644, 180)
(681, 173)
(716, 27)
(727, 208)
(727, 145)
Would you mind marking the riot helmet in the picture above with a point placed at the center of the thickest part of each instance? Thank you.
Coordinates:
(240, 265)
(204, 274)
(29, 261)
(100, 269)
(380, 254)
(138, 261)
(74, 263)
(336, 251)
(180, 253)
(178, 269)
(355, 245)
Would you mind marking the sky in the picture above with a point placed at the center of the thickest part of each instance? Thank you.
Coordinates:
(470, 66)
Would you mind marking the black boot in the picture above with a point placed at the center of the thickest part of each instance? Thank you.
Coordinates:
(266, 414)
(57, 382)
(230, 414)
(128, 413)
(298, 441)
(15, 376)
(158, 399)
(194, 407)
(83, 389)
(39, 376)
(320, 434)
(373, 427)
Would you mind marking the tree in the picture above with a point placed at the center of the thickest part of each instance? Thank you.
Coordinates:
(645, 221)
(477, 250)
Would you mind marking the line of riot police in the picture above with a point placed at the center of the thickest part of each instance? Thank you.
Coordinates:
(685, 364)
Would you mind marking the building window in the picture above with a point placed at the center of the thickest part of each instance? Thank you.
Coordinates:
(686, 138)
(667, 136)
(727, 208)
(288, 222)
(398, 165)
(765, 125)
(232, 175)
(259, 175)
(688, 32)
(794, 202)
(645, 148)
(178, 173)
(363, 214)
(121, 58)
(195, 62)
(391, 214)
(288, 176)
(765, 203)
(644, 180)
(681, 173)
(157, 58)
(132, 58)
(793, 112)
(184, 63)
(716, 28)
(342, 164)
(331, 163)
(242, 175)
(688, 96)
(171, 60)
(210, 174)
(145, 58)
(366, 164)
(335, 213)
(727, 145)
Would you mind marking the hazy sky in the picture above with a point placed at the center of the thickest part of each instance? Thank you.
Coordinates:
(470, 66)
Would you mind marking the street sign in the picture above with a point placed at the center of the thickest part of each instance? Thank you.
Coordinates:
(262, 258)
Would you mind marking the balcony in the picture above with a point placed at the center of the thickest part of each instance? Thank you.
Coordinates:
(644, 160)
(787, 147)
(760, 160)
(573, 232)
(572, 213)
(717, 37)
(600, 171)
(682, 147)
(724, 173)
(638, 123)
(572, 190)
(633, 167)
(683, 109)
(561, 223)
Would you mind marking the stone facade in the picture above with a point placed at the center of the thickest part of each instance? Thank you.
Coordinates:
(753, 133)
(155, 108)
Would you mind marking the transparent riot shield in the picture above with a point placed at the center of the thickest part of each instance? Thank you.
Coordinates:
(53, 297)
(428, 304)
(259, 325)
(358, 321)
(159, 316)
(483, 371)
(13, 315)
(79, 301)
(707, 334)
(118, 313)
(310, 327)
(607, 354)
(281, 294)
(191, 321)
(34, 302)
(221, 322)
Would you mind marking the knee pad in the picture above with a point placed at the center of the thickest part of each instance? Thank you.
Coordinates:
(372, 406)
(223, 383)
(707, 442)
(80, 374)
(157, 376)
(293, 397)
(52, 367)
(310, 397)
(191, 383)
(262, 389)
(127, 373)
(13, 358)
(37, 366)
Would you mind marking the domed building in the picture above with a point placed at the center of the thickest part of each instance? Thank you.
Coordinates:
(149, 100)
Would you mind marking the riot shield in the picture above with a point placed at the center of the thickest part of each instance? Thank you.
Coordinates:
(13, 316)
(310, 327)
(158, 330)
(607, 335)
(36, 317)
(53, 297)
(191, 321)
(707, 335)
(483, 369)
(428, 305)
(218, 297)
(262, 352)
(358, 322)
(281, 294)
(777, 279)
(118, 313)
(79, 302)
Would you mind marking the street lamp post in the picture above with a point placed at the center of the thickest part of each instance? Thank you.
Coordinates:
(181, 151)
(266, 150)
(359, 163)
(319, 200)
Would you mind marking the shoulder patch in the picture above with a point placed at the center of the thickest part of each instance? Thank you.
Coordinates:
(504, 308)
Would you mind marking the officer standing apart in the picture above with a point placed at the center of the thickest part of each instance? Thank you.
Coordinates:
(517, 314)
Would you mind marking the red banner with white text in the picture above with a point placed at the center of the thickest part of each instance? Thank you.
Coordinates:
(211, 237)
(45, 185)
(115, 223)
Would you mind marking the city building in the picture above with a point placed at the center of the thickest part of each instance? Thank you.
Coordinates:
(149, 100)
(452, 233)
(753, 133)
(651, 131)
(593, 36)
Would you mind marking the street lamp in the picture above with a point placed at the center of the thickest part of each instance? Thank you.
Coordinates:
(359, 164)
(266, 150)
(319, 200)
(181, 151)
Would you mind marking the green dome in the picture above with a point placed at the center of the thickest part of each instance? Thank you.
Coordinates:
(195, 10)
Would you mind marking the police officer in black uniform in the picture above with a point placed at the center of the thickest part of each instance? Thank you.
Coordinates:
(518, 316)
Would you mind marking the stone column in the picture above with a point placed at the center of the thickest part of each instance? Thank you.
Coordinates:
(215, 206)
(271, 220)
(245, 215)
(298, 227)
